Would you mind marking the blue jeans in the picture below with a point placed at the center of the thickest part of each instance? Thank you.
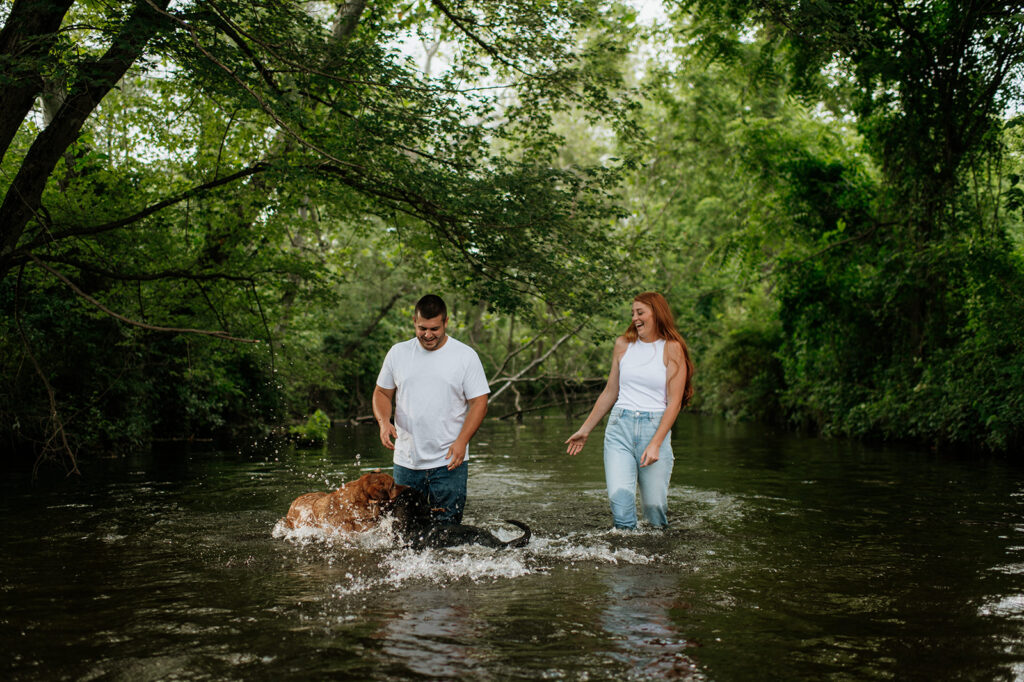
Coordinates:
(625, 438)
(445, 490)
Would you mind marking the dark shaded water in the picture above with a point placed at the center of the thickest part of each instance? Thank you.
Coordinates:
(788, 558)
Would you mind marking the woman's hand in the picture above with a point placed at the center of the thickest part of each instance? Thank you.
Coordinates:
(651, 454)
(576, 442)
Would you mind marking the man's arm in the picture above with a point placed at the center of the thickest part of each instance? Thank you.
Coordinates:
(382, 398)
(474, 418)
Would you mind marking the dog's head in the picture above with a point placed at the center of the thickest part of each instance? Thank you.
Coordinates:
(380, 487)
(410, 509)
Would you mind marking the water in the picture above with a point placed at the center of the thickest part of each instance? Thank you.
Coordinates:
(788, 558)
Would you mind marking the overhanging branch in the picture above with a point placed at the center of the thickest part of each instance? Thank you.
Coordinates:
(509, 381)
(174, 330)
(154, 276)
(146, 212)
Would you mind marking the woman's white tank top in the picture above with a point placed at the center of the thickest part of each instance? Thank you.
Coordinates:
(642, 377)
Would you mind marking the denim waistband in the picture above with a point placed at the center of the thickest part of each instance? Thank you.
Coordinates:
(637, 414)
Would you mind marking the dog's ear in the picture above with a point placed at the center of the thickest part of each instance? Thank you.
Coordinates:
(379, 487)
(397, 490)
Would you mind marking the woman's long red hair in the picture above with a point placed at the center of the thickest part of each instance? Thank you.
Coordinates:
(665, 326)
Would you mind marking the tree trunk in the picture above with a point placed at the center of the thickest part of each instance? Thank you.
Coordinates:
(347, 19)
(94, 81)
(27, 37)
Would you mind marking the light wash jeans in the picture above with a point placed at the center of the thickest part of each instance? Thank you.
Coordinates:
(625, 438)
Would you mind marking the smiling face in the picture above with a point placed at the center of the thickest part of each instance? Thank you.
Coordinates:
(643, 321)
(430, 332)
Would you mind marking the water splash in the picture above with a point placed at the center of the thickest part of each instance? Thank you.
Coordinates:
(391, 565)
(589, 547)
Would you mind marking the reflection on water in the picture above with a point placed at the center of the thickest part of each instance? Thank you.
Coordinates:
(637, 616)
(434, 639)
(787, 558)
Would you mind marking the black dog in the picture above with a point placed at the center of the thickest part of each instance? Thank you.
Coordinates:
(412, 514)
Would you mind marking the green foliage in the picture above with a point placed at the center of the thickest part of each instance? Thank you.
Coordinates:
(313, 430)
(880, 221)
(741, 376)
(269, 172)
(954, 385)
(828, 194)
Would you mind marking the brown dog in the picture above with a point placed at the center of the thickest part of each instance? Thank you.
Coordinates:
(355, 506)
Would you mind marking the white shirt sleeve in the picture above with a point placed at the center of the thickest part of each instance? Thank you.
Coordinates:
(474, 383)
(386, 378)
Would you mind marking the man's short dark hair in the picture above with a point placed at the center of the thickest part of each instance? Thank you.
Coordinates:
(430, 306)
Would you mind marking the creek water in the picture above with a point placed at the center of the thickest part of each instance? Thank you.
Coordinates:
(787, 558)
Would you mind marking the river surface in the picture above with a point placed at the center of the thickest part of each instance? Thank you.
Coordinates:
(787, 558)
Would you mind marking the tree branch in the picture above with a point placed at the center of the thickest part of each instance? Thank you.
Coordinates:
(150, 276)
(352, 345)
(146, 212)
(263, 104)
(528, 344)
(229, 29)
(266, 326)
(422, 208)
(509, 381)
(56, 422)
(473, 36)
(176, 330)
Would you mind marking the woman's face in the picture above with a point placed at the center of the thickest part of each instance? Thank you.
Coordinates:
(643, 320)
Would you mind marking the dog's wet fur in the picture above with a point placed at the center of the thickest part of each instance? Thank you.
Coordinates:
(355, 506)
(414, 523)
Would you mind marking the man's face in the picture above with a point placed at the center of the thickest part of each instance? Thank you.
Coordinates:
(430, 331)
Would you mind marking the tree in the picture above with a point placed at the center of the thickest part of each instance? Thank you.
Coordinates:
(896, 286)
(196, 168)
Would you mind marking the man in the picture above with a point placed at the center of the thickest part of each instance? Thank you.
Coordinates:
(440, 395)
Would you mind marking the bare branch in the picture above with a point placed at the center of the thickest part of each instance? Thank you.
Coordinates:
(509, 381)
(528, 344)
(56, 422)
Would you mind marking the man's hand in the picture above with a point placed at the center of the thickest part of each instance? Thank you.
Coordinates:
(381, 400)
(456, 455)
(474, 417)
(388, 434)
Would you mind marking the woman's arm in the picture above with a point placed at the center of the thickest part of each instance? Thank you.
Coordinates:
(675, 381)
(604, 403)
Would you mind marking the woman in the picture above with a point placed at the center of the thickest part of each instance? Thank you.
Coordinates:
(649, 383)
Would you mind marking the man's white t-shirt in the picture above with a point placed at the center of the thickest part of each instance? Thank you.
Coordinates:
(430, 403)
